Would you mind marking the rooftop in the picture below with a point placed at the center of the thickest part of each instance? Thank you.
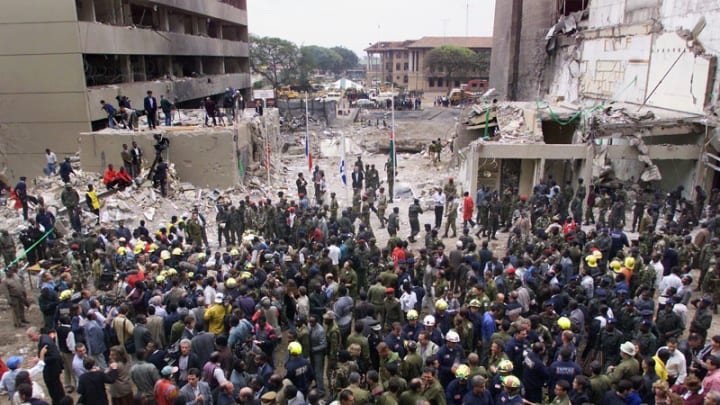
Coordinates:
(431, 42)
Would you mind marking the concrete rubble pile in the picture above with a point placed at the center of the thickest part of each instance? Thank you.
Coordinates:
(506, 123)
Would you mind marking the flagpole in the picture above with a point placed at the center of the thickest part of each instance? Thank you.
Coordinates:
(307, 135)
(394, 139)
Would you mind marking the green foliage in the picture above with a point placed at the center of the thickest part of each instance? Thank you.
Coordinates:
(275, 59)
(349, 58)
(453, 60)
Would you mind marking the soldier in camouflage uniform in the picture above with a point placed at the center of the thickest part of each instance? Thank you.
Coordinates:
(506, 211)
(604, 206)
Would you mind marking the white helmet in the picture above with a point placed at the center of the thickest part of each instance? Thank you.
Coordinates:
(429, 320)
(452, 336)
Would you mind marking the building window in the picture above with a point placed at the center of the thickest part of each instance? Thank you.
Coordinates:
(431, 82)
(406, 66)
(440, 82)
(405, 79)
(397, 66)
(457, 83)
(566, 7)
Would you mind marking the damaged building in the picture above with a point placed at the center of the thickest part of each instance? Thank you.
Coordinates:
(609, 90)
(62, 57)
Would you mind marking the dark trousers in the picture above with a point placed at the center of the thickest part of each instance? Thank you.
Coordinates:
(51, 376)
(438, 216)
(152, 119)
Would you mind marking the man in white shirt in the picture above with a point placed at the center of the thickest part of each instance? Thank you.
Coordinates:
(51, 162)
(439, 202)
(671, 280)
(659, 270)
(334, 253)
(676, 366)
(77, 362)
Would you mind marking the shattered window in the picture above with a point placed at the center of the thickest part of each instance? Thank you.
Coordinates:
(566, 7)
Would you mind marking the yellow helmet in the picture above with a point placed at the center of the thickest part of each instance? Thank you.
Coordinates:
(234, 252)
(163, 273)
(564, 323)
(66, 295)
(121, 250)
(511, 382)
(505, 366)
(160, 278)
(153, 247)
(597, 254)
(630, 262)
(412, 315)
(475, 303)
(245, 274)
(295, 348)
(191, 274)
(615, 265)
(201, 256)
(171, 272)
(249, 266)
(591, 260)
(441, 305)
(230, 283)
(177, 252)
(165, 255)
(462, 372)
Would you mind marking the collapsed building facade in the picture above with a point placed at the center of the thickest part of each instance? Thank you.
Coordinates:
(62, 57)
(610, 90)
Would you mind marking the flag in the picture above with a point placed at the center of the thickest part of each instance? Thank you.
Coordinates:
(308, 155)
(343, 174)
(392, 150)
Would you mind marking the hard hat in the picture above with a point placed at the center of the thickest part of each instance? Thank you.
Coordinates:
(177, 252)
(121, 250)
(245, 274)
(138, 249)
(234, 252)
(163, 273)
(191, 275)
(505, 366)
(429, 320)
(412, 315)
(295, 348)
(160, 278)
(615, 265)
(441, 305)
(66, 295)
(597, 254)
(452, 336)
(249, 266)
(591, 260)
(630, 262)
(153, 247)
(201, 256)
(230, 283)
(462, 372)
(564, 323)
(475, 303)
(171, 272)
(165, 255)
(511, 382)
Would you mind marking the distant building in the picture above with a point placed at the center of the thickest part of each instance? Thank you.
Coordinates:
(403, 62)
(65, 56)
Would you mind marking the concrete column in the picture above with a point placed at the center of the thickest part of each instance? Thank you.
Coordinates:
(198, 65)
(539, 171)
(195, 25)
(141, 69)
(87, 11)
(126, 14)
(126, 68)
(164, 19)
(587, 170)
(527, 175)
(169, 65)
(219, 31)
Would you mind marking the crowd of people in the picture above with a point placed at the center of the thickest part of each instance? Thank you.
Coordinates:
(298, 303)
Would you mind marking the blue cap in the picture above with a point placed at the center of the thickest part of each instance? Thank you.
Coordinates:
(600, 293)
(410, 260)
(646, 312)
(548, 303)
(612, 320)
(629, 302)
(14, 362)
(574, 277)
(707, 300)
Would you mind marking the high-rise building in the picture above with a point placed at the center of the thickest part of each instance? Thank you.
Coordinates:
(59, 58)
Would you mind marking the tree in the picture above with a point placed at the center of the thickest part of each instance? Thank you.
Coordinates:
(324, 59)
(452, 60)
(349, 58)
(275, 59)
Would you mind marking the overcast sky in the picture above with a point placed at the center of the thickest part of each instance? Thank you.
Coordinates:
(355, 24)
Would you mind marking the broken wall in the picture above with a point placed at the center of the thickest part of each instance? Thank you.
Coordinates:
(202, 156)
